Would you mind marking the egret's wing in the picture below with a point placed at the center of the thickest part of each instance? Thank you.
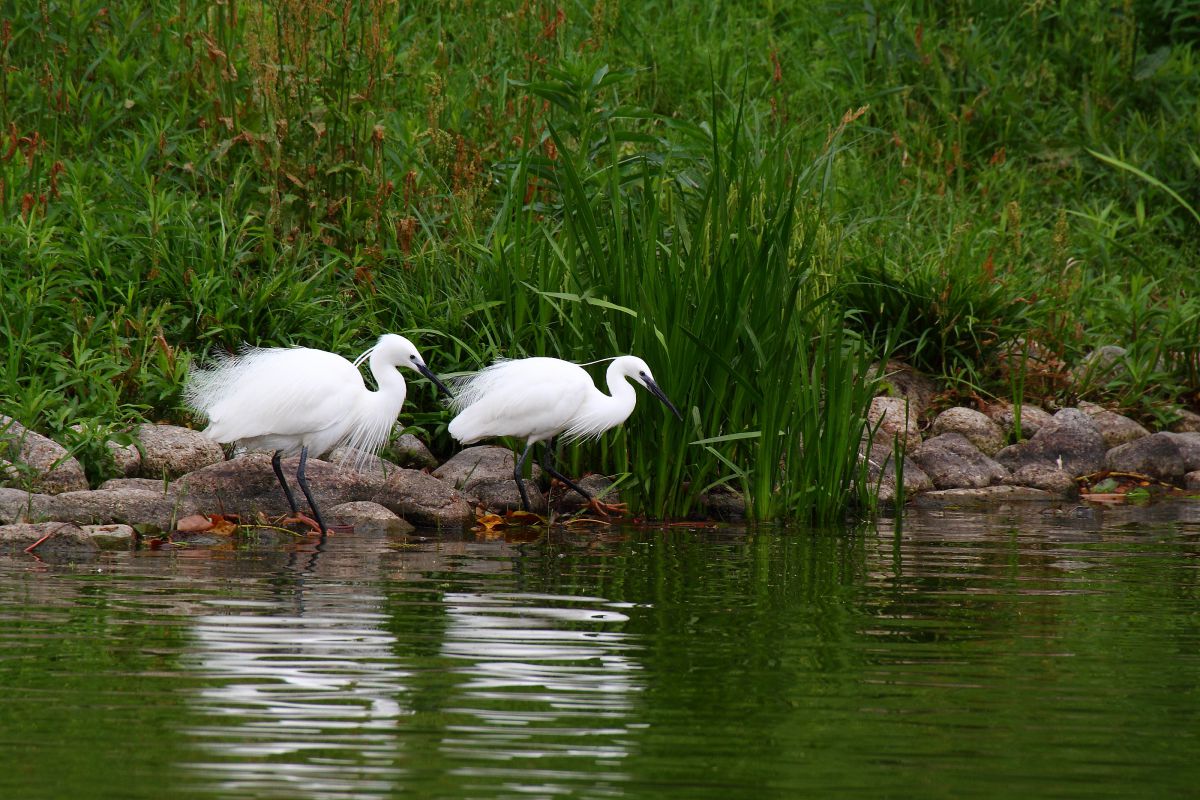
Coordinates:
(523, 398)
(274, 391)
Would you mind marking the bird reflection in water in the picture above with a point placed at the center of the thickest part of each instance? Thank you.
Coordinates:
(550, 689)
(304, 690)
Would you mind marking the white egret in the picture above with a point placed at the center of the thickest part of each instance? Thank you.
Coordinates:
(537, 399)
(298, 399)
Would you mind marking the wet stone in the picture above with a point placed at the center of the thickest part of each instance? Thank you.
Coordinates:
(1033, 418)
(30, 460)
(982, 432)
(171, 451)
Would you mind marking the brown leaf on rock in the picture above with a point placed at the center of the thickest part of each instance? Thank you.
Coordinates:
(194, 523)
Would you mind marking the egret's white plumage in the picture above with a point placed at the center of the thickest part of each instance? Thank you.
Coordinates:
(301, 400)
(537, 399)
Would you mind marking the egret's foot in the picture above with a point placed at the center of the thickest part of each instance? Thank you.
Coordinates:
(303, 519)
(607, 509)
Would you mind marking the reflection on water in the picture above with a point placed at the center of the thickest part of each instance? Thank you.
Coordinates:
(955, 655)
(544, 677)
(306, 693)
(301, 705)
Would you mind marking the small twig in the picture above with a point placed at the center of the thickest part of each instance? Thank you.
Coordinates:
(34, 546)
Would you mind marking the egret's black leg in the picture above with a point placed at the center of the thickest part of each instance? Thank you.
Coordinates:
(287, 490)
(312, 503)
(546, 465)
(520, 467)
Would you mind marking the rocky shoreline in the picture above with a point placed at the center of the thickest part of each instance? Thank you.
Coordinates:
(959, 457)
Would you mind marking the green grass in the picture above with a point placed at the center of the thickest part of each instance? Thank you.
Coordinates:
(756, 199)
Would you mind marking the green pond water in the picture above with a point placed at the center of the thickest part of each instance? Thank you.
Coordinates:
(1017, 654)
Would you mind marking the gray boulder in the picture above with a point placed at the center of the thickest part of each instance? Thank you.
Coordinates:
(1189, 448)
(16, 505)
(33, 461)
(1186, 422)
(106, 506)
(906, 383)
(362, 461)
(892, 418)
(974, 425)
(364, 515)
(146, 484)
(424, 500)
(953, 462)
(65, 540)
(1191, 481)
(482, 463)
(484, 473)
(503, 495)
(247, 484)
(881, 475)
(1116, 429)
(1033, 418)
(984, 497)
(1071, 441)
(173, 451)
(1158, 456)
(409, 451)
(1047, 477)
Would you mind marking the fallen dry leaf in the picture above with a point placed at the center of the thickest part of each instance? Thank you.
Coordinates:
(194, 523)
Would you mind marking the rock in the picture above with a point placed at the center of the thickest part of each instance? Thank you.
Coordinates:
(895, 420)
(105, 506)
(1033, 419)
(881, 474)
(500, 496)
(361, 461)
(1158, 456)
(1115, 428)
(145, 484)
(65, 539)
(723, 503)
(1071, 441)
(484, 473)
(953, 462)
(424, 500)
(1191, 481)
(1185, 422)
(567, 500)
(35, 462)
(1100, 366)
(364, 515)
(1189, 448)
(17, 505)
(983, 497)
(247, 484)
(409, 451)
(906, 383)
(1047, 477)
(173, 451)
(482, 463)
(974, 425)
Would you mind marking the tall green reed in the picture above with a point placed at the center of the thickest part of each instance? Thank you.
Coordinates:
(719, 281)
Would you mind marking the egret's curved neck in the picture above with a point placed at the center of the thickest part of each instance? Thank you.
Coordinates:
(392, 387)
(623, 398)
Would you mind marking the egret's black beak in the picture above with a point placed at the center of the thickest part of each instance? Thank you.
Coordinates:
(428, 373)
(657, 392)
